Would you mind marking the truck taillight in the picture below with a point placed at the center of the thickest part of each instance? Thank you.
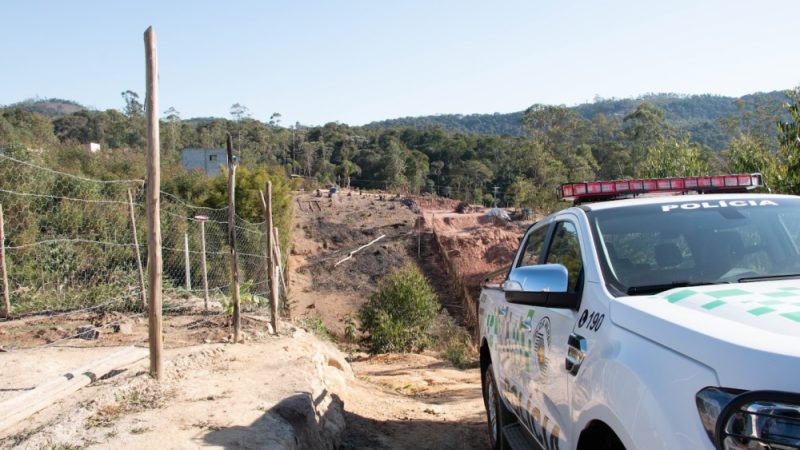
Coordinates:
(602, 190)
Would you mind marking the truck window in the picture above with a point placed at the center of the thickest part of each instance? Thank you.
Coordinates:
(645, 249)
(565, 249)
(534, 247)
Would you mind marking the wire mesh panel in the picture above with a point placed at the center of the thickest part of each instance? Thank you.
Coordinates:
(69, 243)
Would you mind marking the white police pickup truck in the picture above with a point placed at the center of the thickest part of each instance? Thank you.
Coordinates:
(650, 322)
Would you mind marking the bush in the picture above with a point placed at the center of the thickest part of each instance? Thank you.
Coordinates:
(453, 342)
(399, 315)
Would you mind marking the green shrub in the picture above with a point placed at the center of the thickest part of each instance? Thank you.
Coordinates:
(452, 342)
(399, 315)
(314, 324)
(458, 351)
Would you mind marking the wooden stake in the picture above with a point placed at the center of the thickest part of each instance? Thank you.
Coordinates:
(280, 268)
(187, 261)
(154, 263)
(237, 319)
(136, 248)
(203, 260)
(273, 295)
(277, 268)
(419, 235)
(6, 297)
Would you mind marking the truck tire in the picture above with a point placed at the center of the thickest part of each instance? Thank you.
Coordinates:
(497, 415)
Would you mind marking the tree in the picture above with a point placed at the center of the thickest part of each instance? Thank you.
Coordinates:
(173, 117)
(643, 129)
(676, 158)
(565, 134)
(789, 139)
(133, 107)
(436, 169)
(348, 168)
(416, 170)
(608, 148)
(275, 119)
(746, 154)
(470, 177)
(238, 112)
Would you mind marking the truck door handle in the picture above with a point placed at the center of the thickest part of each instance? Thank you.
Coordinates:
(576, 351)
(502, 311)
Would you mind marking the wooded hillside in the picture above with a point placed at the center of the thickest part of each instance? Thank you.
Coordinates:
(608, 139)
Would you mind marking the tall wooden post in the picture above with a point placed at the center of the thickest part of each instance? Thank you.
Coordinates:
(273, 295)
(188, 263)
(6, 297)
(237, 320)
(202, 220)
(154, 263)
(139, 269)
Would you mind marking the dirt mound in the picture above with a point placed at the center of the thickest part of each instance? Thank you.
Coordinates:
(476, 244)
(367, 266)
(427, 202)
(217, 396)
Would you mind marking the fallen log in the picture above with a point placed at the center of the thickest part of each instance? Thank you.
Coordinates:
(22, 406)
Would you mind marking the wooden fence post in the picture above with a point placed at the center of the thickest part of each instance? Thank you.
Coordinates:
(6, 297)
(237, 320)
(279, 259)
(203, 268)
(187, 261)
(419, 235)
(154, 263)
(139, 268)
(273, 295)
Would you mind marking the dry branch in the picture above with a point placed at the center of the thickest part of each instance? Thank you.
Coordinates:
(359, 249)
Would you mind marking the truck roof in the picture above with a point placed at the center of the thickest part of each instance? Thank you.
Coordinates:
(667, 199)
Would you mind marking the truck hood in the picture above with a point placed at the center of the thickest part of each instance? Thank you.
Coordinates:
(748, 333)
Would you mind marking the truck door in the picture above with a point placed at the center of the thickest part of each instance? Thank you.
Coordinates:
(545, 384)
(515, 321)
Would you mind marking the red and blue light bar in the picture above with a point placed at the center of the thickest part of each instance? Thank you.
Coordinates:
(606, 190)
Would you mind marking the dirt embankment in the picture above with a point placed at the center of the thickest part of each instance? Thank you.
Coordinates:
(397, 401)
(273, 392)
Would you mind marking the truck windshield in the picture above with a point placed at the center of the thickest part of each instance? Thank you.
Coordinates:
(647, 249)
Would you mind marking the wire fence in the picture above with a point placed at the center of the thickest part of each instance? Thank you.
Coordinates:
(69, 244)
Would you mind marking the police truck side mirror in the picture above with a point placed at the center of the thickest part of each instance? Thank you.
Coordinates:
(540, 285)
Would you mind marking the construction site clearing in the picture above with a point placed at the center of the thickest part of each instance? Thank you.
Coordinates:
(293, 389)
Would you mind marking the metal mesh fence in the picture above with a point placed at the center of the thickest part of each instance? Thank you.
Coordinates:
(69, 244)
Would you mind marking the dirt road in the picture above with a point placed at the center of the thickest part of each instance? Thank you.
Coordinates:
(398, 400)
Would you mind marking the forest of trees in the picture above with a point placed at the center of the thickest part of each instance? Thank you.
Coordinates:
(700, 115)
(608, 139)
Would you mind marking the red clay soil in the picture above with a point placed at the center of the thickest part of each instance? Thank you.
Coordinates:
(477, 244)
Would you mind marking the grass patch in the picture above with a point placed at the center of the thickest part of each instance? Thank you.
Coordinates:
(453, 343)
(127, 402)
(314, 324)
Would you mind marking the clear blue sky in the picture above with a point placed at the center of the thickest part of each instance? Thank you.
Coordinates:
(359, 61)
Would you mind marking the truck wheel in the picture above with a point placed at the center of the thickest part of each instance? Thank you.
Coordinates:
(497, 414)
